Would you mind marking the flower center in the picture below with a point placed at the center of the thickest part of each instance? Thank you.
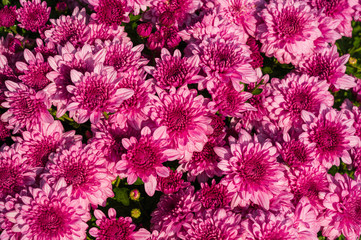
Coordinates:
(330, 6)
(115, 230)
(50, 220)
(177, 119)
(94, 93)
(75, 174)
(254, 168)
(111, 11)
(327, 137)
(7, 180)
(289, 23)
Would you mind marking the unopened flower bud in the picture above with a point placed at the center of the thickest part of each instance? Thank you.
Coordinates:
(135, 213)
(134, 194)
(144, 29)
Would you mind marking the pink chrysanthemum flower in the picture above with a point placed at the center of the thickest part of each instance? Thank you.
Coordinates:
(110, 12)
(7, 16)
(95, 93)
(84, 170)
(293, 94)
(50, 213)
(135, 108)
(105, 32)
(340, 10)
(33, 14)
(225, 61)
(37, 144)
(289, 30)
(26, 107)
(8, 205)
(126, 59)
(174, 71)
(309, 182)
(111, 228)
(230, 102)
(326, 64)
(183, 116)
(214, 196)
(296, 154)
(171, 184)
(73, 29)
(34, 73)
(15, 173)
(241, 12)
(343, 204)
(215, 224)
(6, 73)
(330, 135)
(144, 158)
(174, 210)
(46, 49)
(252, 171)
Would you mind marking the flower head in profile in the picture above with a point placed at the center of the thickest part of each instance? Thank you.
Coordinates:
(26, 108)
(50, 213)
(326, 64)
(122, 228)
(174, 71)
(82, 169)
(95, 93)
(144, 158)
(33, 14)
(330, 135)
(110, 12)
(343, 204)
(289, 30)
(252, 171)
(7, 16)
(183, 116)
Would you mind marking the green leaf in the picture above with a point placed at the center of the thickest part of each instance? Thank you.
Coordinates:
(121, 195)
(5, 2)
(138, 182)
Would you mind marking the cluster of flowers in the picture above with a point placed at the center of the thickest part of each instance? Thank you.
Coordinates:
(193, 93)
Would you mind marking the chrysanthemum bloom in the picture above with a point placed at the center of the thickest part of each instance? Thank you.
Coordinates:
(174, 210)
(126, 59)
(73, 29)
(95, 93)
(305, 220)
(183, 116)
(296, 154)
(144, 29)
(174, 71)
(309, 182)
(46, 49)
(230, 102)
(330, 135)
(215, 224)
(83, 60)
(26, 107)
(172, 38)
(33, 14)
(50, 213)
(34, 73)
(202, 165)
(84, 170)
(144, 158)
(343, 204)
(326, 64)
(172, 183)
(225, 61)
(110, 12)
(105, 32)
(293, 94)
(289, 31)
(15, 173)
(111, 228)
(252, 171)
(241, 12)
(214, 196)
(156, 41)
(135, 108)
(8, 205)
(219, 127)
(37, 144)
(340, 10)
(7, 16)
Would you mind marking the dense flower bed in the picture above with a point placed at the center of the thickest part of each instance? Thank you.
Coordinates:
(180, 119)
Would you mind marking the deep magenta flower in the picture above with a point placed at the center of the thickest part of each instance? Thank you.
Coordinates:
(84, 170)
(183, 117)
(326, 64)
(174, 71)
(343, 204)
(26, 107)
(330, 135)
(214, 196)
(289, 30)
(50, 213)
(257, 59)
(95, 93)
(110, 12)
(111, 228)
(171, 184)
(33, 14)
(293, 94)
(144, 29)
(252, 171)
(7, 16)
(144, 158)
(15, 173)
